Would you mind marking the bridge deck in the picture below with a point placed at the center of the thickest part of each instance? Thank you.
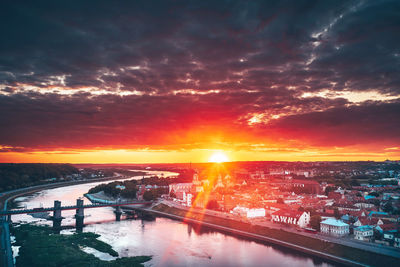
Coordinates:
(74, 207)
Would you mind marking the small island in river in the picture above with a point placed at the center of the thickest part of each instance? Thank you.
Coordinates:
(40, 246)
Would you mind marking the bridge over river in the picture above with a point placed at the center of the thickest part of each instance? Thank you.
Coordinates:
(5, 219)
(79, 207)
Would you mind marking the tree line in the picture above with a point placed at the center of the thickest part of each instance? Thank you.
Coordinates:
(17, 175)
(130, 189)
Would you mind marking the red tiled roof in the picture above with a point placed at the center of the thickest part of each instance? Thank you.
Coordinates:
(368, 221)
(388, 227)
(386, 221)
(298, 181)
(354, 213)
(276, 205)
(310, 200)
(324, 214)
(375, 215)
(333, 194)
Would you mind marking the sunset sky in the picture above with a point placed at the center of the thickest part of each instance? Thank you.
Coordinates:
(176, 81)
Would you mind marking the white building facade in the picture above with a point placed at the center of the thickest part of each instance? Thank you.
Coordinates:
(256, 213)
(181, 187)
(363, 233)
(248, 213)
(334, 227)
(298, 218)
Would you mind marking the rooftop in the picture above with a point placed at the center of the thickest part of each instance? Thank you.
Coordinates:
(363, 228)
(289, 213)
(334, 222)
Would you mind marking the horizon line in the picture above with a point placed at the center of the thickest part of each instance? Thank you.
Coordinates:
(236, 161)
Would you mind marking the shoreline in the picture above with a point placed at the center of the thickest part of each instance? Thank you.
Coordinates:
(257, 237)
(310, 246)
(324, 249)
(261, 237)
(10, 195)
(34, 249)
(5, 243)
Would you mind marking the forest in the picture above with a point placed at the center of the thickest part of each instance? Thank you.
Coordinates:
(13, 175)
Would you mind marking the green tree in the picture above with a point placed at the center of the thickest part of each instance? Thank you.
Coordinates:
(25, 174)
(129, 192)
(378, 235)
(388, 207)
(148, 196)
(315, 222)
(329, 189)
(336, 213)
(310, 210)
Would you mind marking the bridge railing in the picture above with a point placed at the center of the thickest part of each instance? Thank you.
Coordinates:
(49, 209)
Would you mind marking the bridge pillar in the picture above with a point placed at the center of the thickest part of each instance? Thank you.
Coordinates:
(9, 218)
(118, 213)
(57, 218)
(79, 216)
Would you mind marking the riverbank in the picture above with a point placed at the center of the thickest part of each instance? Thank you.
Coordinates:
(5, 197)
(41, 247)
(100, 197)
(334, 252)
(9, 195)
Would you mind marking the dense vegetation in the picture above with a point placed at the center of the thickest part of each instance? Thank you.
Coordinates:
(348, 183)
(315, 221)
(14, 176)
(41, 247)
(112, 190)
(130, 190)
(131, 186)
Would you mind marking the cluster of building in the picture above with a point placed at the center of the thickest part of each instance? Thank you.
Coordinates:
(364, 212)
(365, 218)
(370, 169)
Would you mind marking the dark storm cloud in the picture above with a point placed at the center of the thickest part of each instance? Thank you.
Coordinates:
(52, 121)
(82, 39)
(250, 51)
(366, 124)
(363, 48)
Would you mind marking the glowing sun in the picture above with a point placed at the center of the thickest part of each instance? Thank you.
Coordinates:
(218, 157)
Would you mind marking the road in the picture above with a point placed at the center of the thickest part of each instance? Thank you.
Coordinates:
(261, 238)
(346, 241)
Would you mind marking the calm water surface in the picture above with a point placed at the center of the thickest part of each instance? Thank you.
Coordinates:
(171, 243)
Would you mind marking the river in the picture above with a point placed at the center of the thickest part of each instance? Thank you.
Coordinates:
(171, 243)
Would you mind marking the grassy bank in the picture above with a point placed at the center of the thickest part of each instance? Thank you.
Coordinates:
(365, 257)
(41, 247)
